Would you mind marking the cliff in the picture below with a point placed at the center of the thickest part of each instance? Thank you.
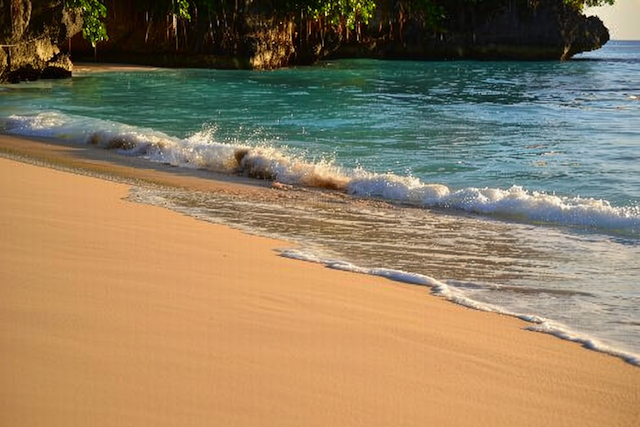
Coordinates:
(513, 29)
(254, 34)
(29, 33)
(499, 29)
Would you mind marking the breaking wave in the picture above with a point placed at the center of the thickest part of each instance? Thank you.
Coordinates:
(264, 161)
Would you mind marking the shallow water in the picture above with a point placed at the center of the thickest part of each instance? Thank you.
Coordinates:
(502, 185)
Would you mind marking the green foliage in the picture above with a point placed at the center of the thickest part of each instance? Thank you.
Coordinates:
(347, 12)
(580, 4)
(93, 13)
(181, 8)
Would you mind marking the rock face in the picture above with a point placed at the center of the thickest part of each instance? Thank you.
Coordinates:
(29, 33)
(251, 36)
(230, 39)
(510, 29)
(490, 29)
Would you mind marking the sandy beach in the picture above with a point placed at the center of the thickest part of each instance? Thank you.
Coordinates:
(114, 313)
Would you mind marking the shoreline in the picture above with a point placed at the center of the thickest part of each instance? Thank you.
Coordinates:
(86, 66)
(141, 173)
(247, 337)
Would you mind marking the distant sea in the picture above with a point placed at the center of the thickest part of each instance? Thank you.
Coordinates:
(505, 186)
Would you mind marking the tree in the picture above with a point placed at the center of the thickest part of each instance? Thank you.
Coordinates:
(93, 13)
(580, 4)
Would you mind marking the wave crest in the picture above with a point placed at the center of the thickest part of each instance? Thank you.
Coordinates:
(202, 151)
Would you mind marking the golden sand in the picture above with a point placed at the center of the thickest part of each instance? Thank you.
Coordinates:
(119, 314)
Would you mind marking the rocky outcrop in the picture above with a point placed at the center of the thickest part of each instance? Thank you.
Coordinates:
(250, 34)
(251, 37)
(507, 29)
(227, 40)
(270, 44)
(29, 33)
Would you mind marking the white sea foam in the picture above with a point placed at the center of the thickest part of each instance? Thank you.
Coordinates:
(513, 203)
(456, 295)
(265, 161)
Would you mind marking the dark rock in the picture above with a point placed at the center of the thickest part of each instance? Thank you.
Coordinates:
(511, 29)
(29, 33)
(59, 67)
(253, 39)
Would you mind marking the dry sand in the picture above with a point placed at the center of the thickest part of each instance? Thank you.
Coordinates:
(80, 67)
(119, 314)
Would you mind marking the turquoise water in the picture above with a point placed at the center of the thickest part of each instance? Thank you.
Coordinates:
(507, 186)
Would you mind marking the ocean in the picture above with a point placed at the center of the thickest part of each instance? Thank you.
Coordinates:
(511, 187)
